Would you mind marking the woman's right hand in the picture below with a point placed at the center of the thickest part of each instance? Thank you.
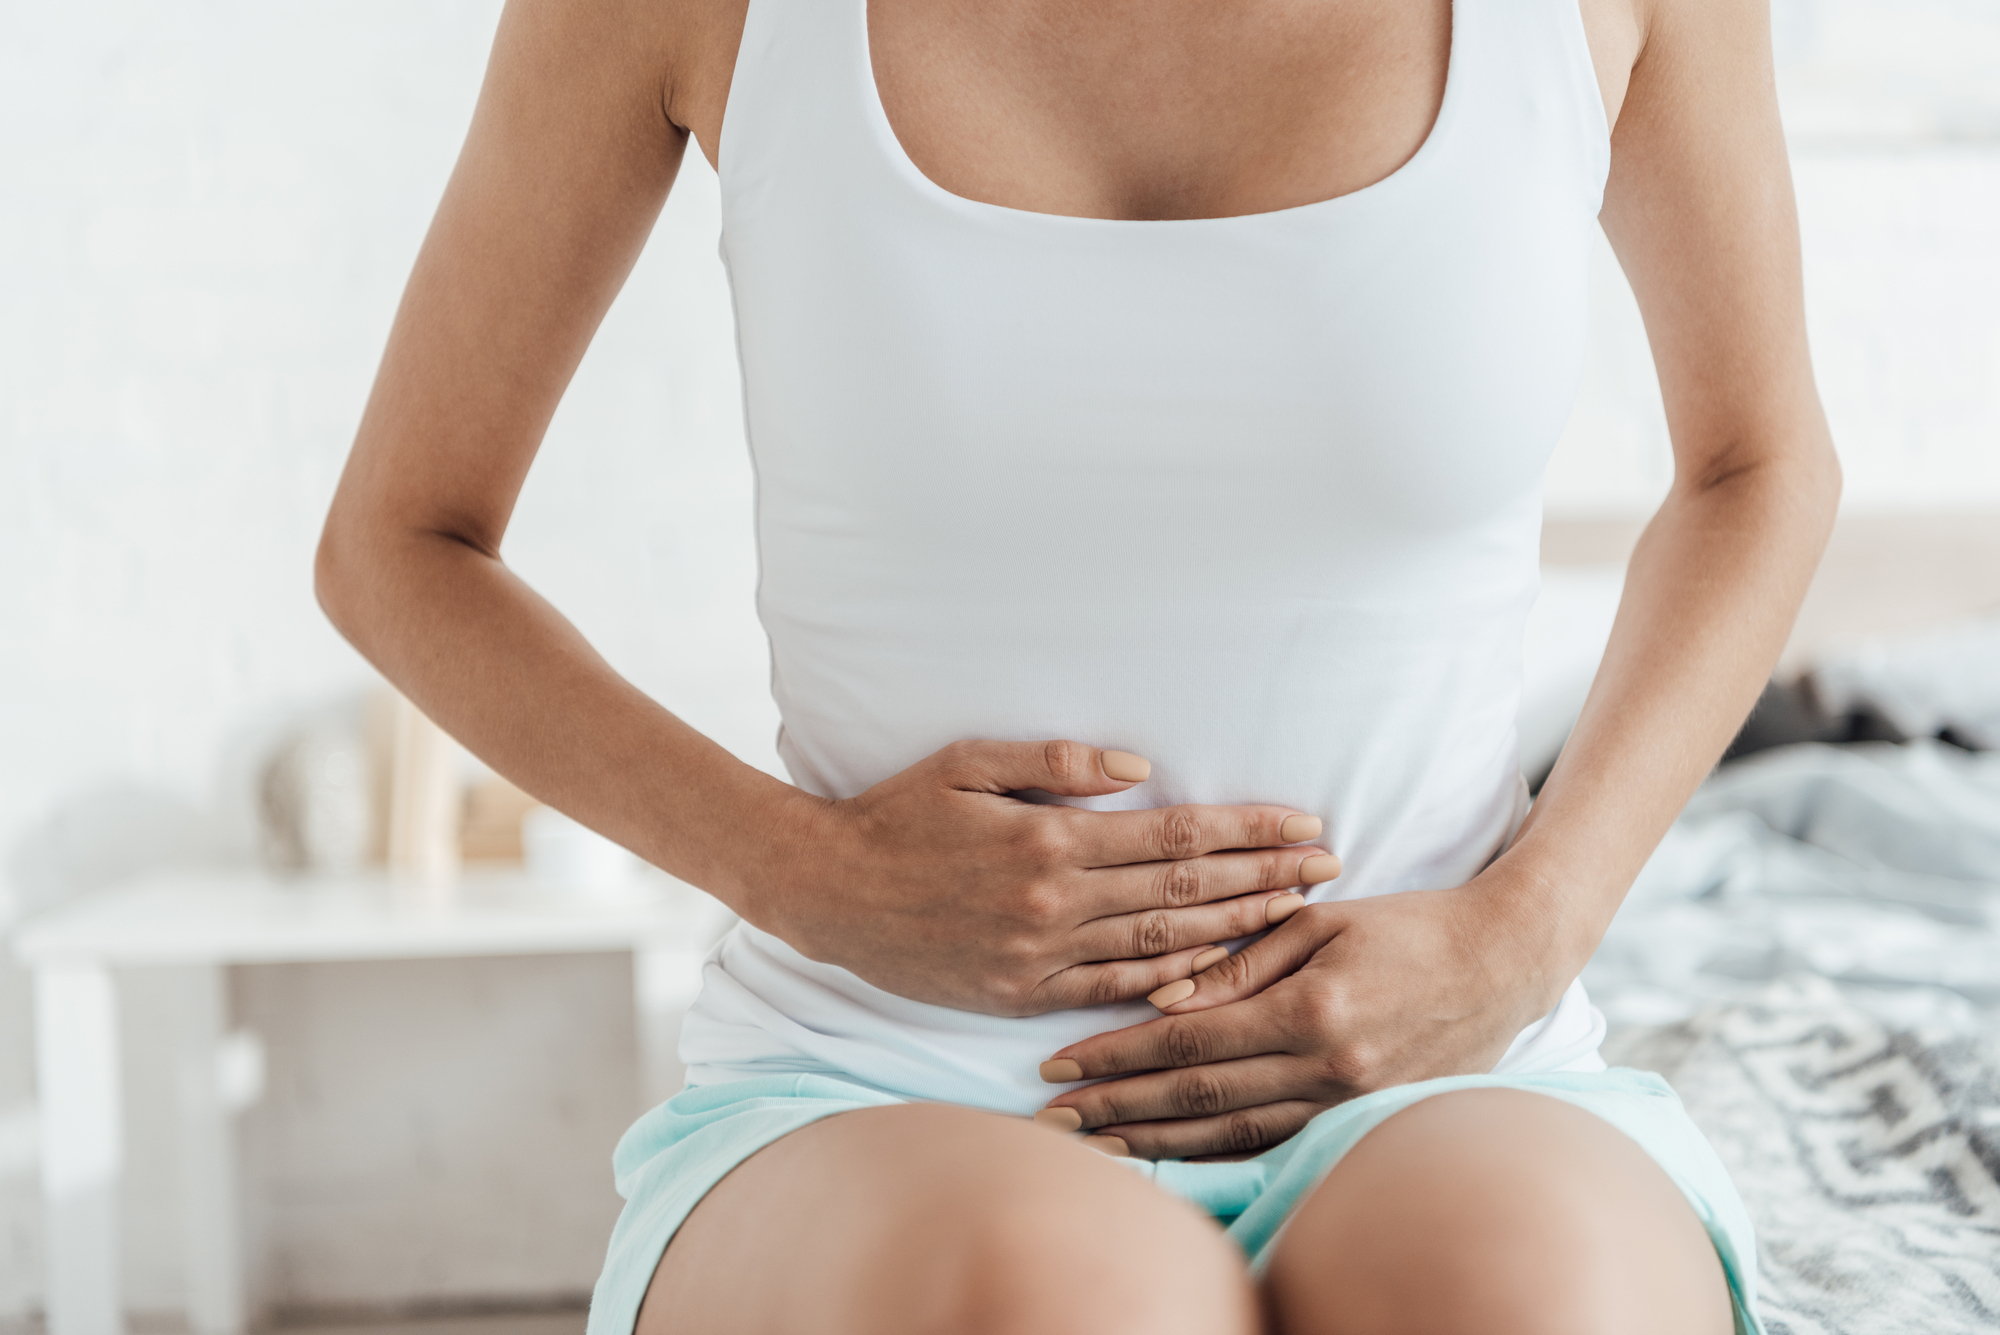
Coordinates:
(939, 885)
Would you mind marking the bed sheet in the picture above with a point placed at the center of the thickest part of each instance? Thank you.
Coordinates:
(1811, 959)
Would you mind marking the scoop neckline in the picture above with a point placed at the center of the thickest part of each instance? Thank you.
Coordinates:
(906, 167)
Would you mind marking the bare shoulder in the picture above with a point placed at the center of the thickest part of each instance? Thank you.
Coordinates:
(1616, 30)
(1672, 40)
(1716, 52)
(704, 37)
(666, 62)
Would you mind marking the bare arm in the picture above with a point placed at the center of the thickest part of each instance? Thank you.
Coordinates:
(1699, 209)
(568, 161)
(936, 884)
(1349, 997)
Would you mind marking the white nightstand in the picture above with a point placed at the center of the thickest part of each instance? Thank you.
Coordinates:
(200, 922)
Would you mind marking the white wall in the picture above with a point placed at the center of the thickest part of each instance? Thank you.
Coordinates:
(206, 211)
(1892, 108)
(1903, 311)
(206, 217)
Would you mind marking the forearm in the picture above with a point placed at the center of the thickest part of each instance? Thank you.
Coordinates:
(500, 669)
(1710, 597)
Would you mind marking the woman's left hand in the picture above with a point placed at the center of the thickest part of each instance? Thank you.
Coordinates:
(1339, 1000)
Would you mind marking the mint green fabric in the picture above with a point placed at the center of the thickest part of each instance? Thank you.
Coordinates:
(675, 1153)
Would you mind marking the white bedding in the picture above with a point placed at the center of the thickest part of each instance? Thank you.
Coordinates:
(1812, 958)
(1875, 866)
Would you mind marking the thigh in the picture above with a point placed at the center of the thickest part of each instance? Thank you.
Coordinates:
(1497, 1211)
(927, 1218)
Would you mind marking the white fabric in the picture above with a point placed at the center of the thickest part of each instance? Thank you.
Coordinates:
(1876, 866)
(1258, 498)
(1941, 676)
(1568, 629)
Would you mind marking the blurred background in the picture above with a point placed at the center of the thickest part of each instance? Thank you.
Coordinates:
(207, 211)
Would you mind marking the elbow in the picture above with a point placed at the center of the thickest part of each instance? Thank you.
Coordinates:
(1820, 481)
(369, 564)
(337, 581)
(328, 570)
(1832, 478)
(1801, 480)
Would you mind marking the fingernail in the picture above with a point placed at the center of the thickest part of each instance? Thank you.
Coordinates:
(1110, 1145)
(1213, 955)
(1295, 829)
(1173, 992)
(1060, 1071)
(1125, 767)
(1061, 1119)
(1319, 867)
(1276, 910)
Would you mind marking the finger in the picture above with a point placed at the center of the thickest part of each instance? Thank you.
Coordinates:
(1113, 981)
(1258, 965)
(1199, 1091)
(1143, 936)
(1243, 1131)
(1247, 1029)
(1069, 769)
(1142, 886)
(1170, 834)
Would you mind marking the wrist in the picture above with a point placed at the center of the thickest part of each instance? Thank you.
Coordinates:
(733, 831)
(770, 854)
(1536, 930)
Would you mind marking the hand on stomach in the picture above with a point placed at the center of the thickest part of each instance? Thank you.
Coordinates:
(1344, 999)
(940, 885)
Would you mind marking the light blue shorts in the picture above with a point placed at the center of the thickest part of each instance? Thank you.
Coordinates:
(671, 1157)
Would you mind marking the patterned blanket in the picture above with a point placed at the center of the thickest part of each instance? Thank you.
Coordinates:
(1869, 1156)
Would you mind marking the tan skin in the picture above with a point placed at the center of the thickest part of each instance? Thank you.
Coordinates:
(936, 884)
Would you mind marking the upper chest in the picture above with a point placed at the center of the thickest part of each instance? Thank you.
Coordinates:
(1146, 108)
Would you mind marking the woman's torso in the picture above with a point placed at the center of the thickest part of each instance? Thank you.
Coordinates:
(1254, 494)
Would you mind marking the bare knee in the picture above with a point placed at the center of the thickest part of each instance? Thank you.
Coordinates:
(926, 1218)
(1018, 1271)
(1043, 1236)
(1497, 1211)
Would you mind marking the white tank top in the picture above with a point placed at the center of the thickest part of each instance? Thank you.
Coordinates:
(1258, 498)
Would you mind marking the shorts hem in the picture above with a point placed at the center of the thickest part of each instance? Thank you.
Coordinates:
(678, 1152)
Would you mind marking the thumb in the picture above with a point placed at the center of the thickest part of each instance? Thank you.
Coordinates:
(1280, 953)
(1067, 769)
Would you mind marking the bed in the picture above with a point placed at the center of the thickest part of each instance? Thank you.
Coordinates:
(1812, 958)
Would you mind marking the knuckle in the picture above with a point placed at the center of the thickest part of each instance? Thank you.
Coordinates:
(1183, 883)
(1200, 1094)
(1063, 833)
(1255, 829)
(1369, 1062)
(1018, 954)
(1104, 987)
(1241, 1132)
(1183, 1044)
(1039, 904)
(1152, 934)
(956, 757)
(1041, 842)
(1113, 1106)
(1320, 918)
(1231, 972)
(1064, 760)
(1317, 1009)
(1356, 1066)
(1009, 996)
(1178, 833)
(1247, 912)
